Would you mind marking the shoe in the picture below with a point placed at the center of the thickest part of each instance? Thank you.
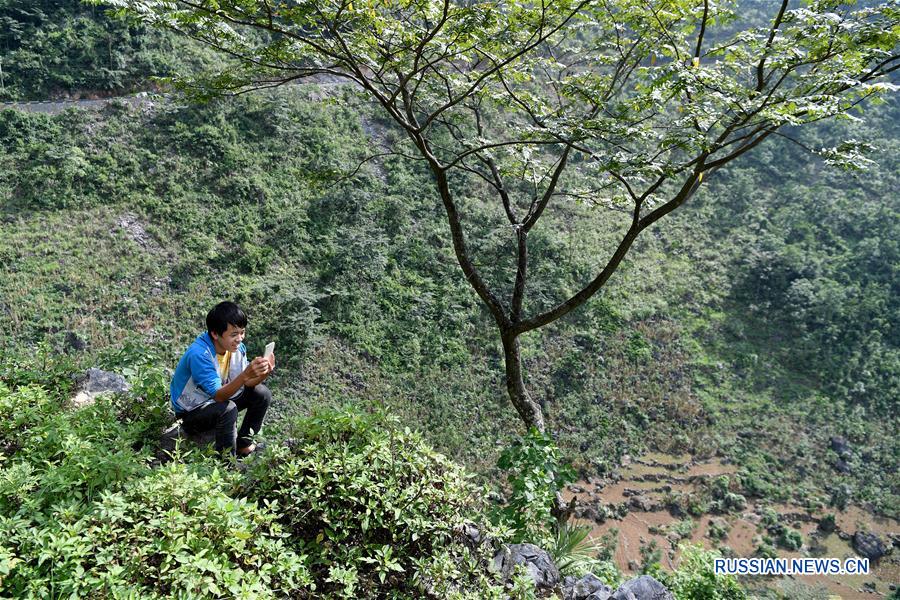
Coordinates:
(254, 448)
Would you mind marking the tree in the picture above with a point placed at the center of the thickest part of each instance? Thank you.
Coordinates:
(627, 104)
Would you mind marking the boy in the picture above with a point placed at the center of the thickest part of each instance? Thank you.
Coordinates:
(214, 380)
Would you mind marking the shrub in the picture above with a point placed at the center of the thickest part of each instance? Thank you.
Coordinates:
(576, 554)
(827, 524)
(170, 533)
(20, 412)
(718, 529)
(536, 473)
(790, 539)
(361, 493)
(695, 579)
(61, 455)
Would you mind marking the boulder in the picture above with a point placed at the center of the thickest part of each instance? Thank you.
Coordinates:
(538, 563)
(642, 588)
(588, 587)
(587, 512)
(95, 382)
(869, 545)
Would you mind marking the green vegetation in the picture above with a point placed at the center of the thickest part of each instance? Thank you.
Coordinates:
(53, 48)
(351, 505)
(374, 509)
(499, 104)
(350, 281)
(758, 324)
(83, 514)
(695, 578)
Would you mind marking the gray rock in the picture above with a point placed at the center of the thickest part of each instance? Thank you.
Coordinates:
(95, 382)
(134, 229)
(840, 445)
(590, 587)
(642, 588)
(470, 535)
(587, 512)
(642, 503)
(869, 545)
(538, 563)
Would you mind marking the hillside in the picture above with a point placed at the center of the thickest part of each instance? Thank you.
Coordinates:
(755, 325)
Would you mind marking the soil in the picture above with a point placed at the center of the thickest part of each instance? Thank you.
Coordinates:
(657, 476)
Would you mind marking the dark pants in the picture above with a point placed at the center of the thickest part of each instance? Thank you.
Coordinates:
(222, 416)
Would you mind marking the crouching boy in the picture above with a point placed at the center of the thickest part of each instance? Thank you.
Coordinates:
(214, 381)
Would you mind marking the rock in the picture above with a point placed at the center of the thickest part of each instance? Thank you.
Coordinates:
(538, 563)
(575, 488)
(588, 587)
(642, 588)
(131, 225)
(642, 503)
(869, 545)
(470, 535)
(842, 466)
(96, 382)
(587, 512)
(840, 445)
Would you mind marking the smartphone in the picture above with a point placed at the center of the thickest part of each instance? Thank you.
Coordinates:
(270, 349)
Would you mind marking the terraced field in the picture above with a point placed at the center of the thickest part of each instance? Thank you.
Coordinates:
(654, 503)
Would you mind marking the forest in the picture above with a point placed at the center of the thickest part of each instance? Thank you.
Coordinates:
(754, 330)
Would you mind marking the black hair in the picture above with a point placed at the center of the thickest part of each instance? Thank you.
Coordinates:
(223, 314)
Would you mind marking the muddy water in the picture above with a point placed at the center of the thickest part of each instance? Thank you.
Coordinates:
(654, 476)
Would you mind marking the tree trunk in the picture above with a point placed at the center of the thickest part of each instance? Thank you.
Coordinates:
(529, 410)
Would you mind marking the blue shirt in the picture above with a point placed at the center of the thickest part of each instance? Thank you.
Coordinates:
(197, 378)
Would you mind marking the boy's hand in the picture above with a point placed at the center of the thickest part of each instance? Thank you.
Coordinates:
(258, 367)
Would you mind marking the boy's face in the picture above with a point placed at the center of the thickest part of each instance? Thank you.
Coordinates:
(230, 339)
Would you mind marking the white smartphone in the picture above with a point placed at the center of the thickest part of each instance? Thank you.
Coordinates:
(270, 349)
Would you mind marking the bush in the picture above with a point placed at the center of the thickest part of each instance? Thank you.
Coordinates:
(536, 473)
(51, 455)
(576, 554)
(171, 533)
(373, 508)
(790, 539)
(353, 506)
(696, 580)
